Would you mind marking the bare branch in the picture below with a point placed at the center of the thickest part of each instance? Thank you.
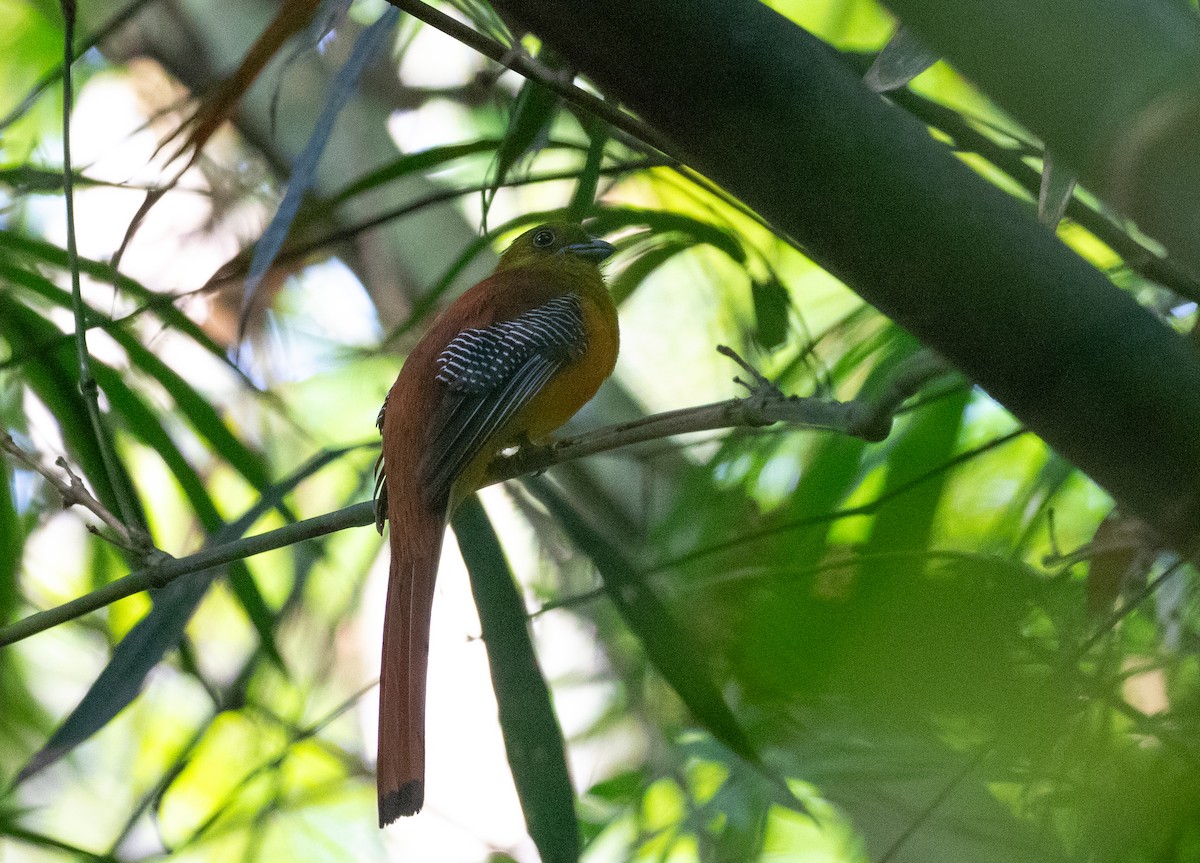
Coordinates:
(516, 59)
(869, 419)
(75, 493)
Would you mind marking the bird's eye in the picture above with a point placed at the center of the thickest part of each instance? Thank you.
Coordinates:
(543, 238)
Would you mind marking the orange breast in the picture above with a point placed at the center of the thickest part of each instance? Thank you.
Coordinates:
(574, 386)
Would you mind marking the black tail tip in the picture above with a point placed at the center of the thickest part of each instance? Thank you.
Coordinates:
(406, 800)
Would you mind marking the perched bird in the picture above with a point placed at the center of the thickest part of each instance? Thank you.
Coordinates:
(509, 361)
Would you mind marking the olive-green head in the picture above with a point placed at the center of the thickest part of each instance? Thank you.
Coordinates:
(554, 241)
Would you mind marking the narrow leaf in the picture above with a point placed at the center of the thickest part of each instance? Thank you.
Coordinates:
(771, 305)
(291, 17)
(145, 426)
(304, 171)
(661, 250)
(156, 633)
(611, 219)
(528, 129)
(666, 644)
(1058, 184)
(48, 253)
(53, 374)
(589, 178)
(11, 545)
(192, 405)
(532, 736)
(903, 58)
(412, 163)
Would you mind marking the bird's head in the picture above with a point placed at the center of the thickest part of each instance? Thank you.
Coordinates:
(555, 241)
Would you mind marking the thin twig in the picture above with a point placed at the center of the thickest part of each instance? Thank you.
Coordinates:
(87, 383)
(159, 575)
(858, 418)
(516, 59)
(75, 493)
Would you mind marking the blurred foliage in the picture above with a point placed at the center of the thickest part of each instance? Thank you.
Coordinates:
(807, 646)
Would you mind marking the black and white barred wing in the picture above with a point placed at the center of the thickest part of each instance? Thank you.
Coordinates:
(492, 373)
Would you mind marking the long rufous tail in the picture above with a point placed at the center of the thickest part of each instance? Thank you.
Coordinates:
(416, 545)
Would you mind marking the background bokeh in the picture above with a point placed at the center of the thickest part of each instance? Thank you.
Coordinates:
(914, 637)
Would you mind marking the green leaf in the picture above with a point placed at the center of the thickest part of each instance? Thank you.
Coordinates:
(622, 788)
(666, 643)
(48, 253)
(413, 163)
(51, 371)
(527, 131)
(532, 736)
(199, 412)
(28, 179)
(608, 219)
(145, 426)
(156, 633)
(903, 58)
(197, 409)
(658, 252)
(12, 545)
(589, 177)
(1054, 194)
(771, 305)
(925, 442)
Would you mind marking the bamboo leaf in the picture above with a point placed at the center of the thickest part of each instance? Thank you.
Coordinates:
(771, 305)
(197, 409)
(304, 171)
(1054, 194)
(608, 219)
(55, 256)
(527, 131)
(50, 371)
(156, 633)
(145, 426)
(666, 644)
(903, 58)
(589, 176)
(532, 736)
(12, 545)
(413, 163)
(658, 252)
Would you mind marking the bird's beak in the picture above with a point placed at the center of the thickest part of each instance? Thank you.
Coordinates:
(593, 249)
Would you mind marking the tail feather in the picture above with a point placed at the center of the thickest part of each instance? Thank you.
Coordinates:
(416, 545)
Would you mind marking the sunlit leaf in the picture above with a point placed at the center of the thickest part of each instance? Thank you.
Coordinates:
(144, 425)
(664, 640)
(903, 58)
(158, 632)
(589, 176)
(413, 163)
(51, 370)
(653, 255)
(610, 218)
(1058, 184)
(528, 128)
(12, 546)
(163, 308)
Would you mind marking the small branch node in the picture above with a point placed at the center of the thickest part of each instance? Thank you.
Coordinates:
(762, 385)
(74, 492)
